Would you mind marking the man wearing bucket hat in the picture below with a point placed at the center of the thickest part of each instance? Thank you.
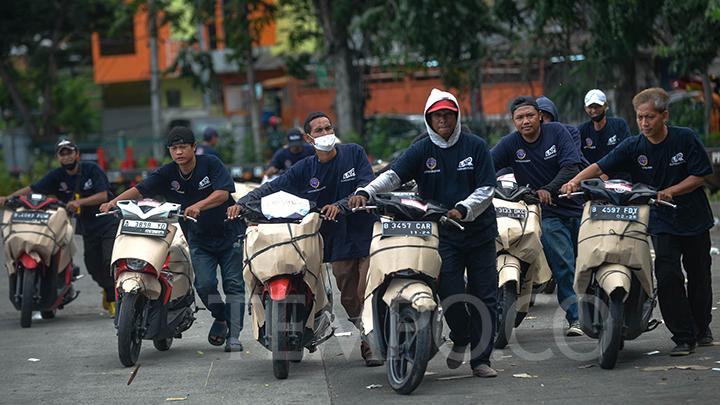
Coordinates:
(83, 186)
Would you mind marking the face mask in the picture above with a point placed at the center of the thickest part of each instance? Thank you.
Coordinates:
(325, 143)
(70, 166)
(598, 118)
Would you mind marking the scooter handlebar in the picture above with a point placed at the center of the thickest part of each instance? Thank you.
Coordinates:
(102, 214)
(365, 208)
(445, 220)
(568, 195)
(653, 201)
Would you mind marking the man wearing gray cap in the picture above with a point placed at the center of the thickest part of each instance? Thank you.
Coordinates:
(601, 134)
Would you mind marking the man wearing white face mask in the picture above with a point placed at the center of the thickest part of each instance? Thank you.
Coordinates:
(328, 178)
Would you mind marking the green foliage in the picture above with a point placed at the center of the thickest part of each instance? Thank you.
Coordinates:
(42, 164)
(695, 35)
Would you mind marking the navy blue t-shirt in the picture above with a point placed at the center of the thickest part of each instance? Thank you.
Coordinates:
(327, 183)
(450, 175)
(536, 164)
(92, 180)
(597, 144)
(204, 149)
(283, 159)
(209, 175)
(671, 161)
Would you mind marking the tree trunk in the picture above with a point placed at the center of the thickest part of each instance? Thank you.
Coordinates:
(625, 91)
(476, 100)
(707, 96)
(158, 150)
(48, 99)
(19, 102)
(254, 113)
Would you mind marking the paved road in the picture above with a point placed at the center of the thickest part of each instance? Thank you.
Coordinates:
(78, 364)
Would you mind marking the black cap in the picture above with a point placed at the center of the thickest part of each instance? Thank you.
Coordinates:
(65, 144)
(295, 137)
(209, 133)
(180, 135)
(521, 102)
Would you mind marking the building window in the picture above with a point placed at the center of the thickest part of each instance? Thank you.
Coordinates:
(173, 98)
(122, 42)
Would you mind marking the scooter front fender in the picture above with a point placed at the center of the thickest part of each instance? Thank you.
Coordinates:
(508, 267)
(613, 276)
(140, 283)
(416, 292)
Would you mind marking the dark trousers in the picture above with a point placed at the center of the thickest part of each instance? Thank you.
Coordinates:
(685, 312)
(98, 248)
(470, 308)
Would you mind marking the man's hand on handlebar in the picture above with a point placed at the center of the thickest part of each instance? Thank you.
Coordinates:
(234, 211)
(569, 187)
(330, 211)
(105, 207)
(3, 200)
(357, 201)
(544, 197)
(665, 195)
(454, 214)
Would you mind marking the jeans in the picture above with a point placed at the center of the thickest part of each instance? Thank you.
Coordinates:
(686, 313)
(206, 254)
(559, 240)
(471, 319)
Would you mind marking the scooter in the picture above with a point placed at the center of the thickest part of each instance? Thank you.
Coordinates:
(402, 318)
(614, 268)
(290, 298)
(521, 262)
(153, 277)
(38, 244)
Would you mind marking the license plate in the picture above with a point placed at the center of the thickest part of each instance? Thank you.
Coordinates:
(407, 228)
(517, 213)
(30, 217)
(144, 228)
(614, 213)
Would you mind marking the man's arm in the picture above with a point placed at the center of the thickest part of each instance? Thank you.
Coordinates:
(589, 172)
(215, 199)
(684, 187)
(22, 191)
(95, 199)
(130, 194)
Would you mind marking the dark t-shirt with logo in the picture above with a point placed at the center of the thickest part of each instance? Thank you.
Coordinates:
(92, 180)
(536, 164)
(671, 161)
(209, 175)
(284, 159)
(450, 175)
(327, 183)
(597, 144)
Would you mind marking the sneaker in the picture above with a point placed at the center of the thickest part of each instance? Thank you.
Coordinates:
(574, 329)
(368, 356)
(105, 302)
(484, 371)
(232, 344)
(111, 309)
(705, 340)
(683, 349)
(456, 356)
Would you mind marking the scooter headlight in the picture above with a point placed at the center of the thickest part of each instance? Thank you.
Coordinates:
(136, 264)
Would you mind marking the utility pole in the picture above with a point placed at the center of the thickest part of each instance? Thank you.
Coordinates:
(204, 73)
(155, 83)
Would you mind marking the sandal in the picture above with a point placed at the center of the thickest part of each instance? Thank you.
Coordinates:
(217, 334)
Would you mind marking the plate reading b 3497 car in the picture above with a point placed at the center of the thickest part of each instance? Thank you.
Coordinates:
(614, 212)
(143, 228)
(407, 228)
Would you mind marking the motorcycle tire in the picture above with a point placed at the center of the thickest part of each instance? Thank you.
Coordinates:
(277, 315)
(414, 332)
(163, 344)
(48, 314)
(26, 307)
(611, 339)
(129, 323)
(507, 313)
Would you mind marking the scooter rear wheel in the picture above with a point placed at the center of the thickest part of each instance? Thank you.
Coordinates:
(130, 323)
(407, 362)
(611, 338)
(28, 291)
(507, 299)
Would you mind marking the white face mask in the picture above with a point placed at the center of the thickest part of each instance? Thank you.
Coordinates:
(325, 143)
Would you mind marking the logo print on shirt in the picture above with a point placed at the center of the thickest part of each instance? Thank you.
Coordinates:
(175, 186)
(642, 160)
(520, 154)
(348, 175)
(88, 184)
(204, 183)
(466, 164)
(677, 159)
(589, 143)
(314, 182)
(550, 152)
(612, 140)
(431, 163)
(63, 186)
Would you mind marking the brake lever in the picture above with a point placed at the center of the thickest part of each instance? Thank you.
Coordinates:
(653, 201)
(365, 208)
(102, 214)
(183, 216)
(444, 220)
(568, 195)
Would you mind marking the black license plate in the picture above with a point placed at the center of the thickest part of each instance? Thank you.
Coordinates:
(517, 213)
(407, 228)
(143, 228)
(614, 213)
(30, 217)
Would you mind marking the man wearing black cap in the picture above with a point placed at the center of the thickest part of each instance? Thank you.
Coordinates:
(210, 140)
(296, 150)
(83, 186)
(202, 185)
(545, 156)
(453, 167)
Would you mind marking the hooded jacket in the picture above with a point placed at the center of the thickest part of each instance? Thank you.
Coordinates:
(548, 106)
(474, 204)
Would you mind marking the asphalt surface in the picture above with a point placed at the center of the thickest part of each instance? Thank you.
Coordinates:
(77, 363)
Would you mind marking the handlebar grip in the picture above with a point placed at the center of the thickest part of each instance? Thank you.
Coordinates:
(653, 201)
(102, 214)
(365, 208)
(444, 220)
(568, 195)
(183, 216)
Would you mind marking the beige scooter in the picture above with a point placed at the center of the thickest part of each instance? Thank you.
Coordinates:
(614, 272)
(521, 262)
(153, 277)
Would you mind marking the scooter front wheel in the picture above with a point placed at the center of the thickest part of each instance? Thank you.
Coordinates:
(507, 300)
(28, 291)
(130, 324)
(611, 338)
(409, 346)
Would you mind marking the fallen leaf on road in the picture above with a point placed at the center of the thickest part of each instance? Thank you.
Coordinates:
(653, 352)
(373, 386)
(454, 377)
(666, 368)
(200, 353)
(176, 398)
(524, 375)
(342, 334)
(505, 357)
(133, 374)
(587, 366)
(430, 373)
(33, 359)
(530, 317)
